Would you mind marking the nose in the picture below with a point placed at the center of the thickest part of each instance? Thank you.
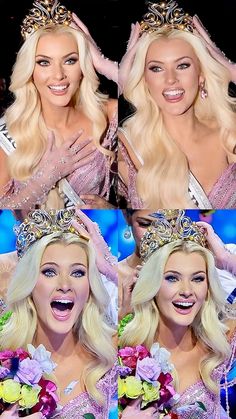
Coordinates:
(64, 284)
(186, 289)
(171, 76)
(59, 72)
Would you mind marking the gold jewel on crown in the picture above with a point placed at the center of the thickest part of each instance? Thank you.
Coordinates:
(41, 223)
(169, 226)
(165, 14)
(45, 12)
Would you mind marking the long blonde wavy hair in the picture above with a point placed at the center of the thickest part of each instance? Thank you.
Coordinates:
(207, 327)
(157, 183)
(90, 329)
(24, 117)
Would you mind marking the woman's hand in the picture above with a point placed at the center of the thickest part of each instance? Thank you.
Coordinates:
(128, 58)
(72, 154)
(223, 258)
(101, 64)
(106, 262)
(12, 413)
(125, 292)
(214, 50)
(133, 411)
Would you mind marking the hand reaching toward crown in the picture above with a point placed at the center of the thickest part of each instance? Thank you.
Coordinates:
(213, 49)
(102, 65)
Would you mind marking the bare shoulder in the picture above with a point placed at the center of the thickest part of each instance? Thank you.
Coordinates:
(112, 108)
(4, 171)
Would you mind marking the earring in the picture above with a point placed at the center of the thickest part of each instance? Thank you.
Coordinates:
(127, 233)
(203, 91)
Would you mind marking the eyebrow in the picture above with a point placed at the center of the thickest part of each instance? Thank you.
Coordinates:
(179, 273)
(65, 56)
(175, 61)
(55, 264)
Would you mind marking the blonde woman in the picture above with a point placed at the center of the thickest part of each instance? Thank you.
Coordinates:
(179, 303)
(183, 118)
(56, 138)
(58, 299)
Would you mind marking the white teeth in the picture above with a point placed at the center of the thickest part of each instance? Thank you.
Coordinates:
(58, 88)
(63, 301)
(184, 304)
(173, 92)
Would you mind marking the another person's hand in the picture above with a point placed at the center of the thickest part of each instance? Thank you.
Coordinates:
(125, 293)
(223, 258)
(128, 58)
(12, 413)
(101, 64)
(214, 50)
(133, 411)
(71, 155)
(106, 262)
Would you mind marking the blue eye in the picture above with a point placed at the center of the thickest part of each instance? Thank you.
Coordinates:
(78, 273)
(49, 272)
(155, 69)
(183, 66)
(171, 278)
(198, 279)
(71, 61)
(43, 63)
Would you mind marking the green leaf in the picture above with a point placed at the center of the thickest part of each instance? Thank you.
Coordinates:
(202, 406)
(88, 416)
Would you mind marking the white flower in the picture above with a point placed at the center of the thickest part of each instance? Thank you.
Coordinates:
(162, 356)
(42, 356)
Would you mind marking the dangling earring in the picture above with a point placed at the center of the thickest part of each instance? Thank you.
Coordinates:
(203, 91)
(127, 232)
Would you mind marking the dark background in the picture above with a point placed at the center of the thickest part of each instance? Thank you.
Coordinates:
(109, 22)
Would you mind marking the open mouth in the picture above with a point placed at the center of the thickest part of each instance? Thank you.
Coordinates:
(173, 94)
(183, 305)
(62, 306)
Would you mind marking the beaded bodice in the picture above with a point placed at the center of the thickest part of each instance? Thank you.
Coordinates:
(84, 403)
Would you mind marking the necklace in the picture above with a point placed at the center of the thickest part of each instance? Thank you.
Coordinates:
(70, 387)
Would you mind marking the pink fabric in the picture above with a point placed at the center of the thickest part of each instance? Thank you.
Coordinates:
(83, 403)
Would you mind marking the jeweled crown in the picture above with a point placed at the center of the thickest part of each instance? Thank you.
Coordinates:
(169, 226)
(41, 223)
(165, 14)
(43, 13)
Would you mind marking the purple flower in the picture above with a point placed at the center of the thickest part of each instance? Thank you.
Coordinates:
(148, 369)
(123, 371)
(4, 372)
(29, 372)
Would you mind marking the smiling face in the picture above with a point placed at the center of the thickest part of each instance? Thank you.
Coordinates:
(172, 75)
(57, 72)
(62, 288)
(183, 289)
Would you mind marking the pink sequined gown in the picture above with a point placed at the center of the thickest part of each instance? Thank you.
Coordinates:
(83, 403)
(222, 195)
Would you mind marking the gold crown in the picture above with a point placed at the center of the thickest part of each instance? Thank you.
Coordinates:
(169, 226)
(41, 223)
(165, 14)
(45, 12)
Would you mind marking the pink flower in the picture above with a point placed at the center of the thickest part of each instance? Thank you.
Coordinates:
(130, 355)
(47, 398)
(29, 372)
(21, 354)
(5, 355)
(167, 390)
(148, 369)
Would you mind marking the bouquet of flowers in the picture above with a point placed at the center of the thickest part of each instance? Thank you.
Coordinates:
(146, 375)
(22, 381)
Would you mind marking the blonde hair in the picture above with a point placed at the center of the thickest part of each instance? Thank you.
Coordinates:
(24, 117)
(90, 329)
(207, 326)
(156, 183)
